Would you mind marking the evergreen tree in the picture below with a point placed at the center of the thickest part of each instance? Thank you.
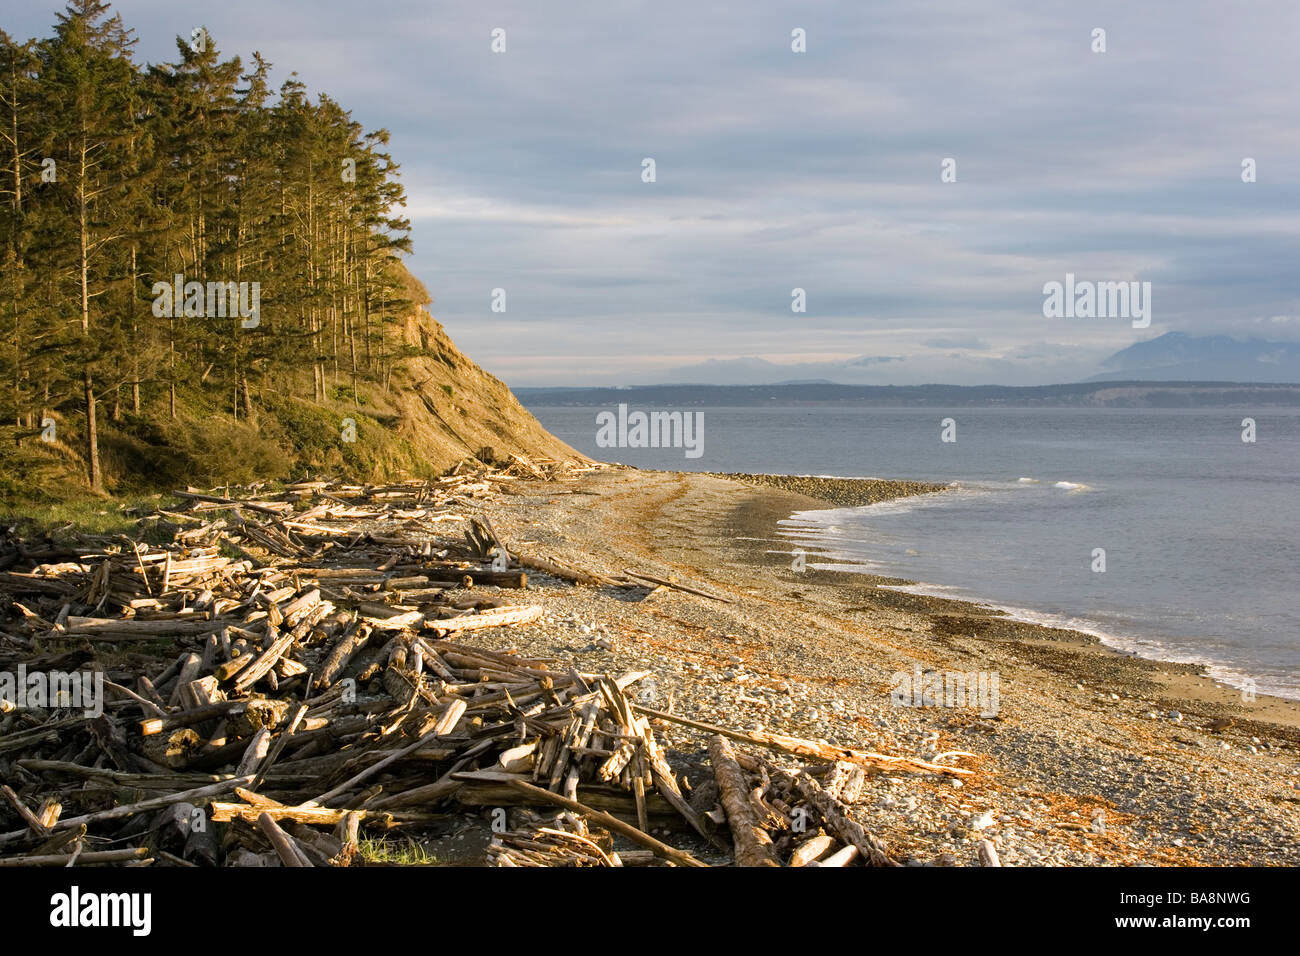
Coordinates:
(18, 95)
(87, 79)
(114, 180)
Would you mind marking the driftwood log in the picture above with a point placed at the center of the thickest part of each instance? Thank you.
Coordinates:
(753, 845)
(329, 681)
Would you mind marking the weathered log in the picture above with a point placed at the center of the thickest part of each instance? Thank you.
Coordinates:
(265, 661)
(133, 630)
(316, 816)
(348, 833)
(354, 639)
(838, 821)
(661, 582)
(498, 617)
(280, 743)
(810, 849)
(285, 846)
(140, 781)
(31, 819)
(806, 748)
(84, 859)
(199, 693)
(157, 725)
(116, 813)
(435, 588)
(455, 710)
(201, 844)
(175, 749)
(228, 669)
(753, 847)
(558, 570)
(254, 754)
(148, 706)
(680, 857)
(841, 857)
(188, 672)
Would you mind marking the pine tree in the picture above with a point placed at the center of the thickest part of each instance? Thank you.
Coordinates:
(194, 169)
(86, 79)
(18, 94)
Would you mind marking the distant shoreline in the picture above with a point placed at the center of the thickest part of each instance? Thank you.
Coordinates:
(1116, 394)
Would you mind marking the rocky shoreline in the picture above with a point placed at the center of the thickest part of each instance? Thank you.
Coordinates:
(1092, 758)
(841, 492)
(941, 732)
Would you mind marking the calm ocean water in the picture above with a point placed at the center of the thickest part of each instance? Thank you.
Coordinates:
(1199, 528)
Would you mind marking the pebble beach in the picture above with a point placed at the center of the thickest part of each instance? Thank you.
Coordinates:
(1091, 757)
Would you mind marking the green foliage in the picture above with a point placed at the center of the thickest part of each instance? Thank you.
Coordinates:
(345, 393)
(33, 472)
(190, 168)
(208, 452)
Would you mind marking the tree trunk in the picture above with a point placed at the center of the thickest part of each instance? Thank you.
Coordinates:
(171, 365)
(135, 337)
(83, 235)
(92, 435)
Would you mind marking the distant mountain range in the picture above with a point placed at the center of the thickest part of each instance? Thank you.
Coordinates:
(1177, 356)
(1080, 394)
(1174, 369)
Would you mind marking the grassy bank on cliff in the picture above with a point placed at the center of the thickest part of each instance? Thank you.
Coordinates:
(432, 408)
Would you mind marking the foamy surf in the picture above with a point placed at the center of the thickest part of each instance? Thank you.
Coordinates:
(1130, 644)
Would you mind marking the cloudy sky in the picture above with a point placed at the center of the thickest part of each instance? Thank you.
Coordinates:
(818, 170)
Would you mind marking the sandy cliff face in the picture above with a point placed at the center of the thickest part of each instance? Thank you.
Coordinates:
(448, 407)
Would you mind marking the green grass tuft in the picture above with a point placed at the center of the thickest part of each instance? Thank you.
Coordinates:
(393, 853)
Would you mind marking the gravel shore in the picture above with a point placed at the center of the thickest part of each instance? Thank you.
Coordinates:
(1092, 757)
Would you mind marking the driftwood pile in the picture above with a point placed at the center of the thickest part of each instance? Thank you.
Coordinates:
(292, 671)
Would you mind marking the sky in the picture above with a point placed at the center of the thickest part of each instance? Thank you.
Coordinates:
(817, 170)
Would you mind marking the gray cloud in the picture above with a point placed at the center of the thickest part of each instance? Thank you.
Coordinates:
(818, 171)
